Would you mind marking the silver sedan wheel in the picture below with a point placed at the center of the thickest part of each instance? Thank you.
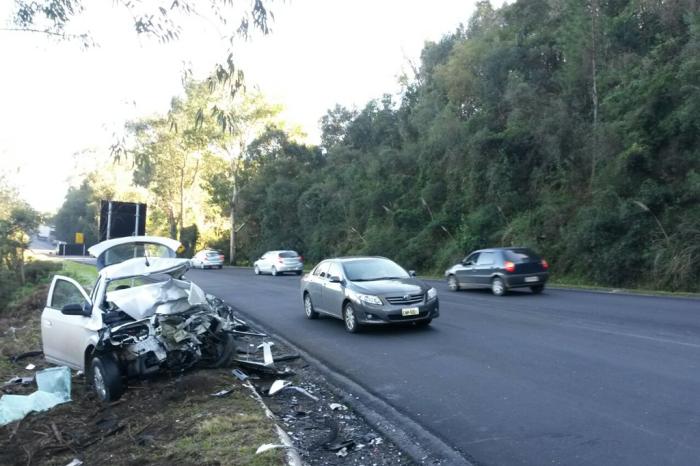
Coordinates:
(274, 272)
(452, 283)
(349, 318)
(256, 270)
(309, 307)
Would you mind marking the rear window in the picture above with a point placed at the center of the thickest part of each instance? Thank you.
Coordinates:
(521, 255)
(213, 254)
(289, 254)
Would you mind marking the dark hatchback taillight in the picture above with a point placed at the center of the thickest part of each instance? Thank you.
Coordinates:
(509, 266)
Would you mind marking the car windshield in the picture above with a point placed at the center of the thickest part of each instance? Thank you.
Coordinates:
(366, 270)
(521, 255)
(213, 254)
(289, 254)
(126, 251)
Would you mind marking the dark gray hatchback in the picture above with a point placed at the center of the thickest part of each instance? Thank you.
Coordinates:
(365, 291)
(499, 269)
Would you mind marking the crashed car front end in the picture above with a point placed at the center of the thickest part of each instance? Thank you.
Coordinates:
(159, 321)
(174, 327)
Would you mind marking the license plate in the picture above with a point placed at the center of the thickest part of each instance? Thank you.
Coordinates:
(409, 311)
(531, 279)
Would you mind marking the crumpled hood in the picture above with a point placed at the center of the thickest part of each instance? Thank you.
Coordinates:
(400, 286)
(168, 297)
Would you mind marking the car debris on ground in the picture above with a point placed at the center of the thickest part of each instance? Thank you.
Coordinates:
(54, 388)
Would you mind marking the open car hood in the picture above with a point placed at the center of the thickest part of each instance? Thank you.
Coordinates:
(117, 250)
(145, 266)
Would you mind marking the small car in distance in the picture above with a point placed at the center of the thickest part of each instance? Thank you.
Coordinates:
(499, 269)
(365, 291)
(279, 262)
(208, 259)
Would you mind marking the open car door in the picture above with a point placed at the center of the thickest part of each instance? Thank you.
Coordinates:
(61, 332)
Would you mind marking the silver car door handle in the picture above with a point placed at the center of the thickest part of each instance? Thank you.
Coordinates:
(47, 323)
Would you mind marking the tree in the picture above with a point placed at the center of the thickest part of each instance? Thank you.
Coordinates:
(17, 223)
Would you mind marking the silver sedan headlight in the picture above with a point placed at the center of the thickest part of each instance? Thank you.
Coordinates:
(432, 294)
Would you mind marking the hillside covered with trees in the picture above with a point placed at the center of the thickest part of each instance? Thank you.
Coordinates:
(569, 126)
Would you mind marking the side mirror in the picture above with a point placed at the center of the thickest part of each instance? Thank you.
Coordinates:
(334, 279)
(412, 273)
(77, 310)
(466, 262)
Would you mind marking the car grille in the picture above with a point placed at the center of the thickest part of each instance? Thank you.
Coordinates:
(407, 299)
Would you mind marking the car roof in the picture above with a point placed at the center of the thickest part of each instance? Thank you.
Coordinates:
(506, 248)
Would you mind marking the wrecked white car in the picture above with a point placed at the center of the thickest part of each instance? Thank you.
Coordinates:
(141, 317)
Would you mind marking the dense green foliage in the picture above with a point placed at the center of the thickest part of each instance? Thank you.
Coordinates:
(569, 126)
(17, 221)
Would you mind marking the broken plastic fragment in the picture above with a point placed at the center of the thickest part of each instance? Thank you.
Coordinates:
(278, 385)
(240, 375)
(75, 462)
(337, 407)
(30, 367)
(343, 452)
(268, 446)
(222, 393)
(267, 353)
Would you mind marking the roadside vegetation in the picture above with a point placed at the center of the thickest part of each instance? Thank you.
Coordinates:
(569, 127)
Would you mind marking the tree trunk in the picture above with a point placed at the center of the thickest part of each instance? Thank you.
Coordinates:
(594, 87)
(232, 242)
(182, 199)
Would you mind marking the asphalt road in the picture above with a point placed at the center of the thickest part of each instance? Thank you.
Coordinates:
(566, 377)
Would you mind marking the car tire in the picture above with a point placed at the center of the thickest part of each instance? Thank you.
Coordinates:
(274, 272)
(350, 319)
(106, 379)
(309, 307)
(256, 270)
(498, 286)
(537, 289)
(220, 349)
(423, 323)
(452, 283)
(298, 272)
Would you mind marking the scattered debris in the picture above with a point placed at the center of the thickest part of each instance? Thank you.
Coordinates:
(343, 452)
(19, 381)
(222, 393)
(28, 354)
(341, 445)
(337, 407)
(269, 446)
(75, 462)
(240, 375)
(280, 385)
(54, 388)
(30, 367)
(268, 360)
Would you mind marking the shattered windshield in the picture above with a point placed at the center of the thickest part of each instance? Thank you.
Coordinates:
(123, 252)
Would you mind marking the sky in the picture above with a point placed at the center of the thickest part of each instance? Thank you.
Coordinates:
(61, 106)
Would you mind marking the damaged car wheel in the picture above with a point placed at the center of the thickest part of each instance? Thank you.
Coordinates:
(106, 378)
(218, 351)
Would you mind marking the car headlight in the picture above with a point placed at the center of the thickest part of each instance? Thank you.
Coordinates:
(432, 294)
(370, 299)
